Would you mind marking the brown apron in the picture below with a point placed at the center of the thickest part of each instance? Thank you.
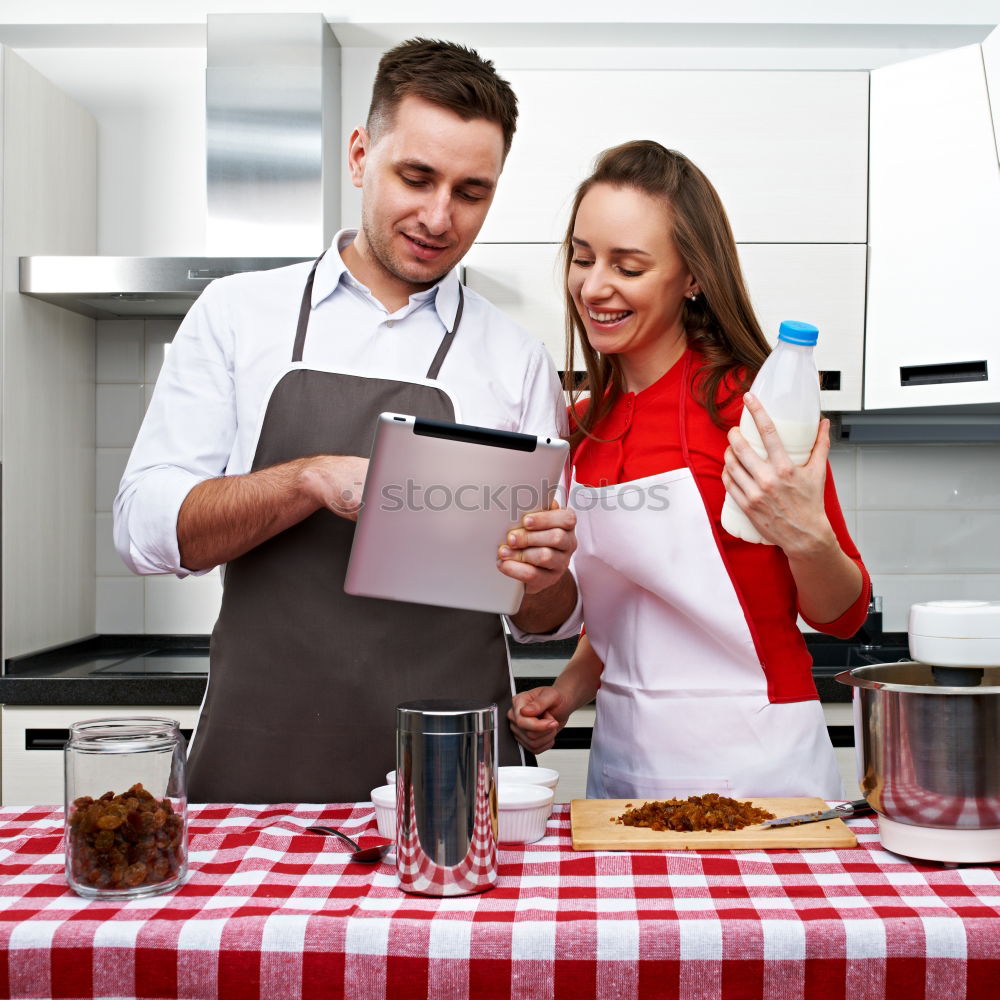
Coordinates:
(304, 679)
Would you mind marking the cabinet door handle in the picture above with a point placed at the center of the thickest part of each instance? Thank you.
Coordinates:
(959, 371)
(45, 739)
(55, 739)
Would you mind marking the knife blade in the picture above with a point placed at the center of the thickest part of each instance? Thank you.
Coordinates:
(856, 808)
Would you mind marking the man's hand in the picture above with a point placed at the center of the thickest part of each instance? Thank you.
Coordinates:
(538, 552)
(335, 482)
(222, 518)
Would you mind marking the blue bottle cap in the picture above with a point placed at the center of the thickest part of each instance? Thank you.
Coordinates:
(793, 332)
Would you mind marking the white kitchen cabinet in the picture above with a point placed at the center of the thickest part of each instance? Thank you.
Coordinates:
(933, 325)
(572, 768)
(787, 151)
(33, 775)
(48, 151)
(571, 763)
(842, 714)
(524, 280)
(819, 284)
(991, 65)
(823, 284)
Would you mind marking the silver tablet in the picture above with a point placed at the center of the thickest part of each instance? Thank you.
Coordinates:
(438, 501)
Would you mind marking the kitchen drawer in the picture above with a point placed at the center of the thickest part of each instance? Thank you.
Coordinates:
(823, 284)
(572, 768)
(32, 759)
(848, 765)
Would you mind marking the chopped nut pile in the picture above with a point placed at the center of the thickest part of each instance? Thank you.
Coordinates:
(697, 812)
(125, 841)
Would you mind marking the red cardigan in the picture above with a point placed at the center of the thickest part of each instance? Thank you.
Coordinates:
(645, 427)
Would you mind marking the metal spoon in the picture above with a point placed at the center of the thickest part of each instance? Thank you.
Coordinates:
(369, 855)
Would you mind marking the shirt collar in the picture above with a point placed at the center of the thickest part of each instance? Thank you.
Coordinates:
(331, 271)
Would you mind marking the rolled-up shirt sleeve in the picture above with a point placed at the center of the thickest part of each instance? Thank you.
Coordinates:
(543, 409)
(186, 437)
(569, 628)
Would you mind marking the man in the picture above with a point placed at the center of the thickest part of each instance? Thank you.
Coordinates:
(250, 453)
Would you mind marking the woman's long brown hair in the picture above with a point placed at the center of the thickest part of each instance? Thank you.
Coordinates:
(720, 323)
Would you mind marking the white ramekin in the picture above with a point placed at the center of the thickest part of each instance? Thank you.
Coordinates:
(528, 776)
(523, 811)
(384, 800)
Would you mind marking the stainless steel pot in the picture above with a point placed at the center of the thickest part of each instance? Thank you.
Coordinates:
(928, 752)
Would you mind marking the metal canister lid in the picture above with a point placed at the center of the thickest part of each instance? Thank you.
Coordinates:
(445, 716)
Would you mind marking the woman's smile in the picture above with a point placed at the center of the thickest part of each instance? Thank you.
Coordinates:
(608, 318)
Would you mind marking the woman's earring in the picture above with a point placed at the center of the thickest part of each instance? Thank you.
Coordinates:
(693, 296)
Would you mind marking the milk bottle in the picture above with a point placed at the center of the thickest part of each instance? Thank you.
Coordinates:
(787, 386)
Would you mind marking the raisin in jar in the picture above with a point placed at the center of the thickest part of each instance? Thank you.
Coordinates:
(126, 807)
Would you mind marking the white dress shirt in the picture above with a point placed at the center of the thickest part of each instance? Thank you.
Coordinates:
(236, 342)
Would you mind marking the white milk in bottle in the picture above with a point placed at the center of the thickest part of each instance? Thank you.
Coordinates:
(787, 386)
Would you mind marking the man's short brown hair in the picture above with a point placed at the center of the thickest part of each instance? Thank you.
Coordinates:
(446, 74)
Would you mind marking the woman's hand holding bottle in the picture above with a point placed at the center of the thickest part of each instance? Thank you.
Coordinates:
(783, 500)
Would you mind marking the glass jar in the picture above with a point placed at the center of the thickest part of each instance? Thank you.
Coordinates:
(126, 807)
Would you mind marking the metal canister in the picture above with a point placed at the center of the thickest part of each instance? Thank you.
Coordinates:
(446, 803)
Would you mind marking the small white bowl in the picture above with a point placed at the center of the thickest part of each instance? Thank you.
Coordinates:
(528, 776)
(390, 778)
(523, 811)
(384, 800)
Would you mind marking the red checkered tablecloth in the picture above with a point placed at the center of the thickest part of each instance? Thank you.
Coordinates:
(271, 912)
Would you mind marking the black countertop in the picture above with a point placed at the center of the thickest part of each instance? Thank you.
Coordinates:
(160, 670)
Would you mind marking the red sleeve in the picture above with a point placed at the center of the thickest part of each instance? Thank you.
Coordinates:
(854, 617)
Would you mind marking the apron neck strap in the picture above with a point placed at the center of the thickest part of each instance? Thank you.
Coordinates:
(305, 308)
(446, 340)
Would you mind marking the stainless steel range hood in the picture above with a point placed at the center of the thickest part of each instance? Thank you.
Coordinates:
(115, 287)
(272, 89)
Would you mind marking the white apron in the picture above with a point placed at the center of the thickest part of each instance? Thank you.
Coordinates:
(683, 707)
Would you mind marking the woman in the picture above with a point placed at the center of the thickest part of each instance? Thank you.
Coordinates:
(702, 677)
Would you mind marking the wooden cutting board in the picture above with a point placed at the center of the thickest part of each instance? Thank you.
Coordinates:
(593, 830)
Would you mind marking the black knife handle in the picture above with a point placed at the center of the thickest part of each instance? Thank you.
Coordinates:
(856, 808)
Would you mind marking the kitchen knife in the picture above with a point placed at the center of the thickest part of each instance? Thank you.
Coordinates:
(845, 811)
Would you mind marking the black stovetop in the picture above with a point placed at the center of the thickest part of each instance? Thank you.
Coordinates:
(173, 670)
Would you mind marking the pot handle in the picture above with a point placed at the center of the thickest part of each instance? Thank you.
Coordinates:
(848, 678)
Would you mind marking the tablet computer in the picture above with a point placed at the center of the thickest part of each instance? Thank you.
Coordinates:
(439, 499)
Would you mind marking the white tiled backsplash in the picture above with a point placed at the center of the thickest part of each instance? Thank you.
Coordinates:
(129, 355)
(926, 517)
